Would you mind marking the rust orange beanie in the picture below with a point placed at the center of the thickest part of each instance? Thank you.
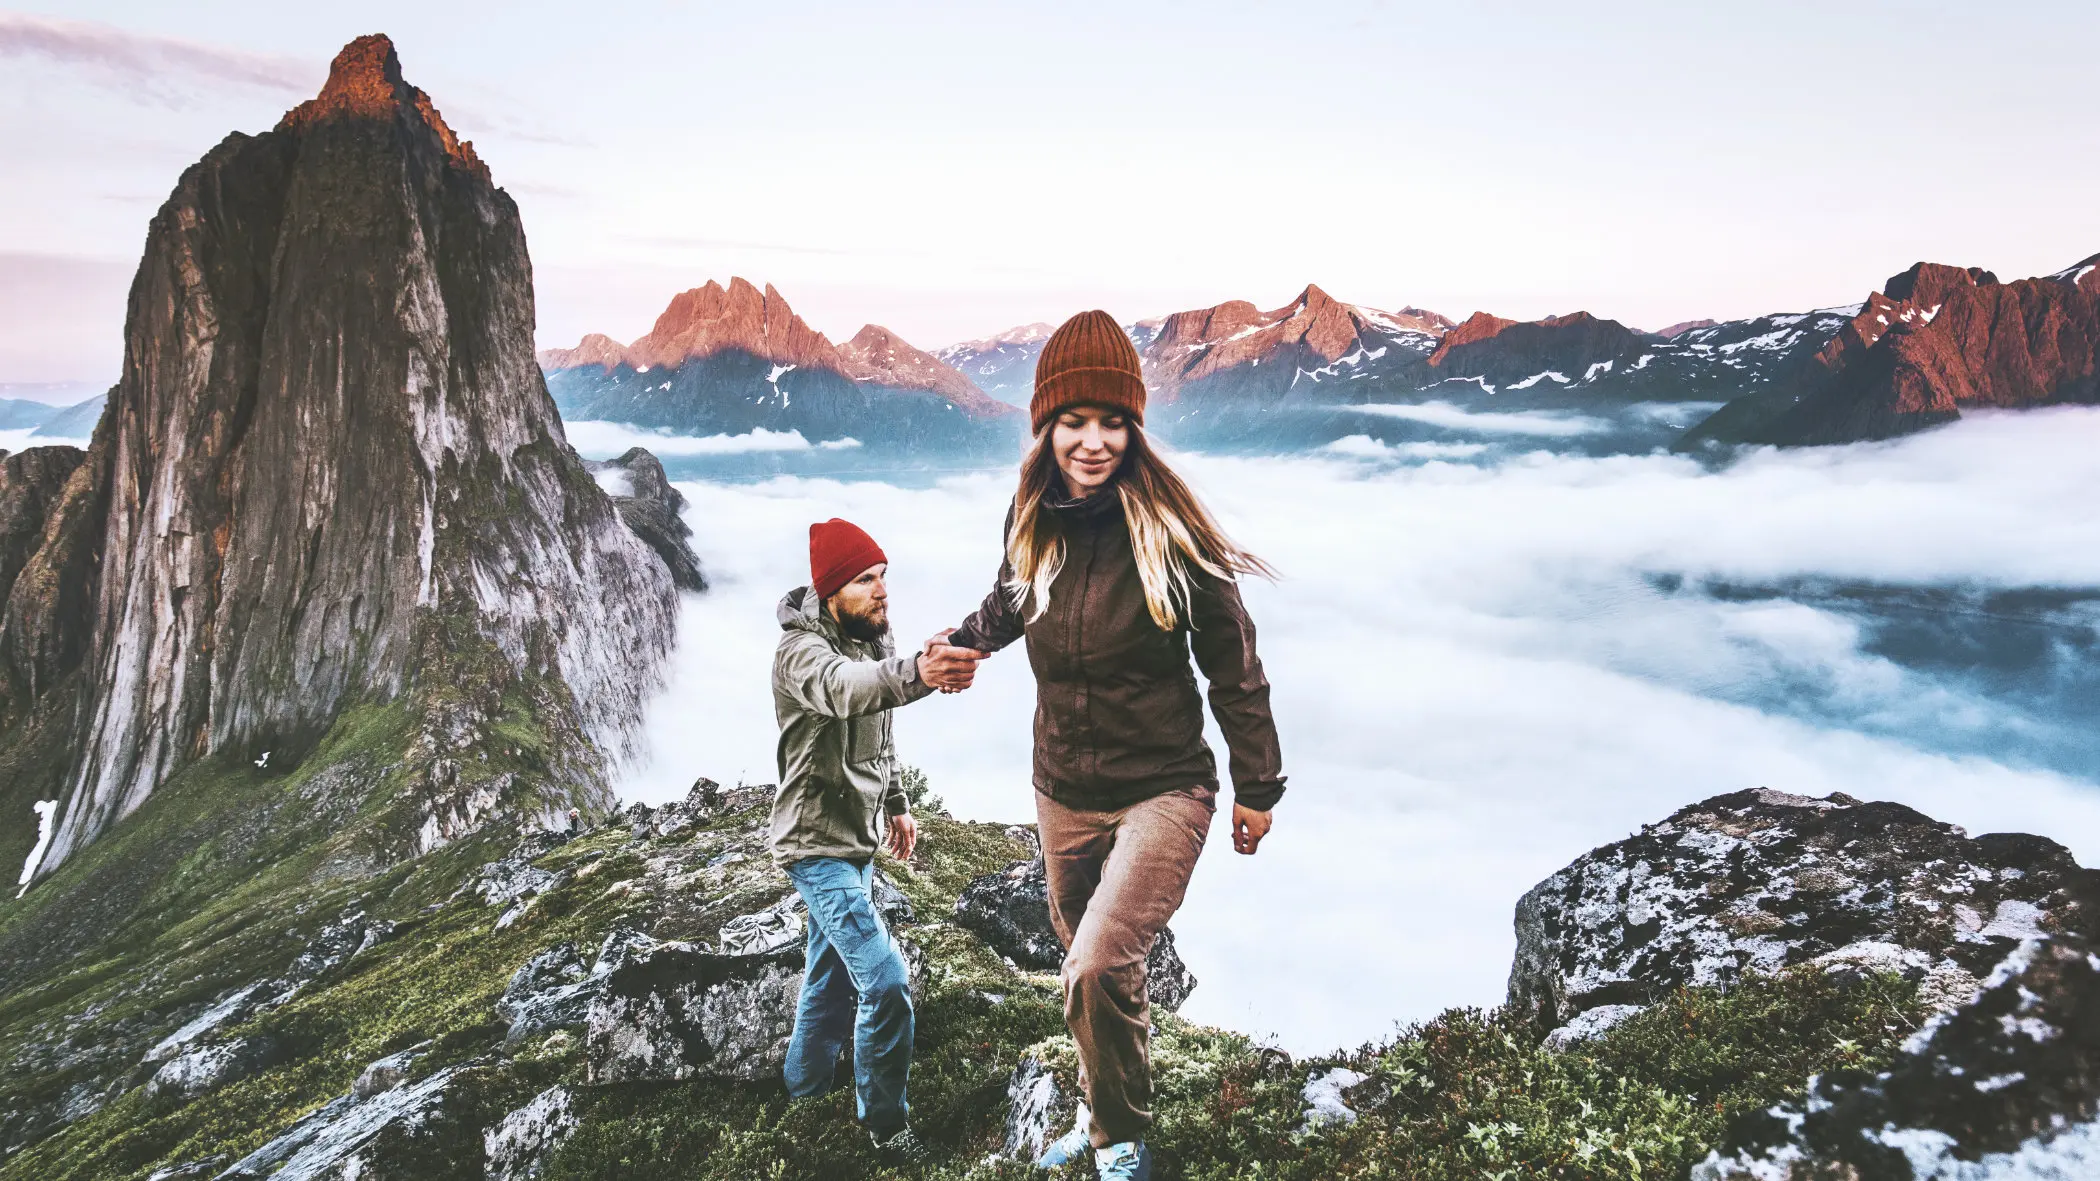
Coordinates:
(838, 551)
(1087, 362)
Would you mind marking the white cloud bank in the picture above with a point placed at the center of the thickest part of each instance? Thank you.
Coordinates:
(601, 440)
(26, 437)
(1474, 681)
(1542, 423)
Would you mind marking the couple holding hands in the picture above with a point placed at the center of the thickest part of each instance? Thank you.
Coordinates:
(1114, 575)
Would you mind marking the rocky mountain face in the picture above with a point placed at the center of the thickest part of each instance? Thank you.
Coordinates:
(329, 484)
(651, 507)
(1934, 341)
(729, 360)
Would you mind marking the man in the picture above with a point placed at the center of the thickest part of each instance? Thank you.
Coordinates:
(836, 678)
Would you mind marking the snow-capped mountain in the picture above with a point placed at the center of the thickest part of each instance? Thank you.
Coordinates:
(1934, 340)
(728, 360)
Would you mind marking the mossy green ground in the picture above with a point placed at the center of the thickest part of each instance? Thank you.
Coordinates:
(1466, 1095)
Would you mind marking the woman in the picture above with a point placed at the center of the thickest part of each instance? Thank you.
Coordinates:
(1114, 573)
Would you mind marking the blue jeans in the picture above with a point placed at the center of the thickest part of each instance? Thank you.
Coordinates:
(855, 983)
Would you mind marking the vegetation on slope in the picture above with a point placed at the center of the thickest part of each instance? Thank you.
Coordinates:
(1470, 1094)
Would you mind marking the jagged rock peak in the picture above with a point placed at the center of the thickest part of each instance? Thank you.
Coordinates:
(877, 355)
(1310, 332)
(595, 348)
(331, 474)
(1477, 327)
(711, 318)
(365, 81)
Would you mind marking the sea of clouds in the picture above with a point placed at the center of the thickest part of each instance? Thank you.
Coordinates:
(1484, 669)
(603, 439)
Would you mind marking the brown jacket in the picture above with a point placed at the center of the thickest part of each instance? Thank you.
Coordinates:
(1117, 716)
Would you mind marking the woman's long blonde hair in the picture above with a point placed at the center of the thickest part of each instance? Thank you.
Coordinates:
(1170, 531)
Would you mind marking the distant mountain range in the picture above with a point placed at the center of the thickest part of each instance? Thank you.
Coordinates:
(75, 421)
(728, 360)
(1934, 340)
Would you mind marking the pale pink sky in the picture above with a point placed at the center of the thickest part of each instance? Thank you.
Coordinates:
(951, 170)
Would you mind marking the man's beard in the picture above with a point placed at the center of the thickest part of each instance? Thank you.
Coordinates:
(866, 628)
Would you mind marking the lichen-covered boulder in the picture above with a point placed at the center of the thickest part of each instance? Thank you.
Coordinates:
(554, 989)
(1760, 880)
(2006, 1086)
(674, 1011)
(1039, 1109)
(405, 1132)
(207, 1068)
(1010, 911)
(518, 1147)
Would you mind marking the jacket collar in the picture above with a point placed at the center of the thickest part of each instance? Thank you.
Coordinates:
(1086, 508)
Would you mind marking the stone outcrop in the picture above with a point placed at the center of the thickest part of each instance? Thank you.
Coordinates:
(1936, 340)
(1760, 880)
(521, 1144)
(1010, 911)
(651, 508)
(677, 1011)
(2006, 1086)
(331, 473)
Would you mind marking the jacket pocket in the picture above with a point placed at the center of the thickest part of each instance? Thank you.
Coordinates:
(865, 738)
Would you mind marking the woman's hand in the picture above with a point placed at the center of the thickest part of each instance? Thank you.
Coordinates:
(947, 668)
(904, 836)
(1248, 828)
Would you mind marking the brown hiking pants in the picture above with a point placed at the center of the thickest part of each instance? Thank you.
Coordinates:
(1115, 879)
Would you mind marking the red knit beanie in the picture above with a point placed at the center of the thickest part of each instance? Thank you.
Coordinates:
(839, 551)
(1087, 362)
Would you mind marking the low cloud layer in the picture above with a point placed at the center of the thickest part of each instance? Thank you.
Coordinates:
(1480, 673)
(1541, 423)
(601, 440)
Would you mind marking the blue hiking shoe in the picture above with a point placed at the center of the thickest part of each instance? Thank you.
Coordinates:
(1128, 1161)
(1066, 1148)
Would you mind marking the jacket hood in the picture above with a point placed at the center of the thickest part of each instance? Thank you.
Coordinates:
(800, 610)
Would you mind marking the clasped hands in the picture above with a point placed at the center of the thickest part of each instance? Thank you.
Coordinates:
(946, 667)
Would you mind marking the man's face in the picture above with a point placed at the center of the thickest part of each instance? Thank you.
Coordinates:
(862, 606)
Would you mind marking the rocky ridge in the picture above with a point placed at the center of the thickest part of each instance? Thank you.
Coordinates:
(735, 359)
(1935, 340)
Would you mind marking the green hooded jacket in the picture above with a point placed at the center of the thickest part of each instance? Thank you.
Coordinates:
(832, 696)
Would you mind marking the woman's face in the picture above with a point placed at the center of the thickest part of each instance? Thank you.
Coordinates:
(1088, 442)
